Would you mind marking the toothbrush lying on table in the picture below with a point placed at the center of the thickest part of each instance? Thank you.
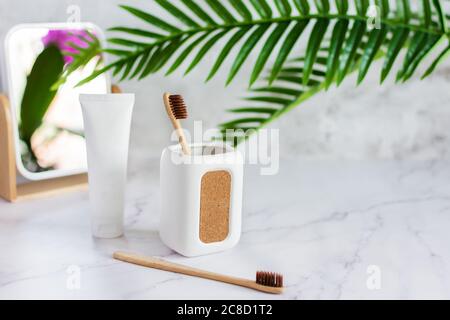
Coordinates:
(268, 282)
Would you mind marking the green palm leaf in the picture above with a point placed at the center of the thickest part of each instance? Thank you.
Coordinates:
(362, 6)
(323, 6)
(403, 10)
(267, 50)
(241, 9)
(280, 99)
(441, 15)
(342, 6)
(199, 12)
(221, 11)
(384, 6)
(349, 52)
(226, 50)
(342, 51)
(82, 57)
(246, 49)
(337, 41)
(204, 50)
(152, 20)
(38, 93)
(398, 41)
(418, 41)
(302, 7)
(317, 35)
(329, 56)
(284, 8)
(185, 53)
(284, 98)
(374, 43)
(136, 32)
(262, 8)
(286, 48)
(431, 42)
(177, 13)
(441, 57)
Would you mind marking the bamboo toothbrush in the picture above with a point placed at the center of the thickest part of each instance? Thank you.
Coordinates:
(268, 282)
(176, 109)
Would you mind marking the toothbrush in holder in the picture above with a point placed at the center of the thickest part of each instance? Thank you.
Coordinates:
(176, 110)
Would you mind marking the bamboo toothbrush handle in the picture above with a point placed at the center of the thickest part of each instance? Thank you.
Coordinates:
(178, 268)
(182, 139)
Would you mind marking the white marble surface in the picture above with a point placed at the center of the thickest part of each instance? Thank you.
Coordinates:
(321, 223)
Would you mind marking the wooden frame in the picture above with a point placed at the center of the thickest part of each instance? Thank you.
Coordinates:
(9, 189)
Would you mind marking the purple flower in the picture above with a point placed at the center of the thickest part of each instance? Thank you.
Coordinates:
(65, 39)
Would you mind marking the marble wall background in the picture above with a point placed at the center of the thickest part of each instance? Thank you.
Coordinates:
(371, 121)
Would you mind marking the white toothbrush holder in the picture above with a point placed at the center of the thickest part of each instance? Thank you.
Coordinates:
(201, 198)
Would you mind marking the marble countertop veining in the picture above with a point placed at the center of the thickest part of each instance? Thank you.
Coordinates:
(335, 229)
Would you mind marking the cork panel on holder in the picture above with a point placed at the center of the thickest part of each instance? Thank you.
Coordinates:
(215, 206)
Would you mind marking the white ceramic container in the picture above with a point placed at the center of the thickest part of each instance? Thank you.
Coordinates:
(201, 198)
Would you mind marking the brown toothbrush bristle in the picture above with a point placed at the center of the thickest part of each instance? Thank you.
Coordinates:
(177, 106)
(269, 279)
